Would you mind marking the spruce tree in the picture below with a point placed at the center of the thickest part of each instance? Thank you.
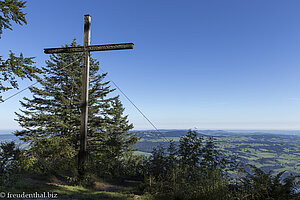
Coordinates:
(14, 66)
(190, 149)
(115, 143)
(11, 11)
(54, 111)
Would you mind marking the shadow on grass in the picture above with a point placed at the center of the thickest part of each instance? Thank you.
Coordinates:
(63, 191)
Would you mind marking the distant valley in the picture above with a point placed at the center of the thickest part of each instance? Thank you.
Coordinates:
(268, 150)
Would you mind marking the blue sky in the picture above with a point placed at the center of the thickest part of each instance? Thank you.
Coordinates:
(207, 64)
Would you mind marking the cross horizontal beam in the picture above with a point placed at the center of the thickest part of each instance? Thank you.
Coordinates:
(105, 47)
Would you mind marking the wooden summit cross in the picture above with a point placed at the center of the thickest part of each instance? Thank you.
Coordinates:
(86, 48)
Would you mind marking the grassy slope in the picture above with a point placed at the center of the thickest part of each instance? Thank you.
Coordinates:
(103, 191)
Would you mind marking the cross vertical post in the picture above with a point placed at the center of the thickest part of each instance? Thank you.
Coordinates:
(86, 48)
(82, 157)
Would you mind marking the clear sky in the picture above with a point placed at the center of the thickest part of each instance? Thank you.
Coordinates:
(214, 64)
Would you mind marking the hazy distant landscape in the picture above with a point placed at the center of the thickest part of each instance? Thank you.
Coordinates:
(268, 150)
(275, 150)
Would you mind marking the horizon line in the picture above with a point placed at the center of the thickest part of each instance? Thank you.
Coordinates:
(203, 129)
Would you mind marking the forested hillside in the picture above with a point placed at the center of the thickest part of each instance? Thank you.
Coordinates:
(267, 151)
(181, 159)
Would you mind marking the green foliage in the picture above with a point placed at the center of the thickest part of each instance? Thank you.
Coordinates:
(190, 149)
(14, 66)
(258, 185)
(10, 159)
(193, 171)
(197, 170)
(114, 146)
(11, 12)
(53, 155)
(51, 119)
(133, 166)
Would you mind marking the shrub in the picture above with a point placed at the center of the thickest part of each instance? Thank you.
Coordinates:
(10, 162)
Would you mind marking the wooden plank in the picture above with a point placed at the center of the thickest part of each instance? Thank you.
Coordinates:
(63, 50)
(85, 97)
(109, 47)
(104, 47)
(86, 48)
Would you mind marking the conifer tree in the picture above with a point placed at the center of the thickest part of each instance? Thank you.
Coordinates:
(11, 11)
(14, 66)
(54, 111)
(190, 149)
(115, 143)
